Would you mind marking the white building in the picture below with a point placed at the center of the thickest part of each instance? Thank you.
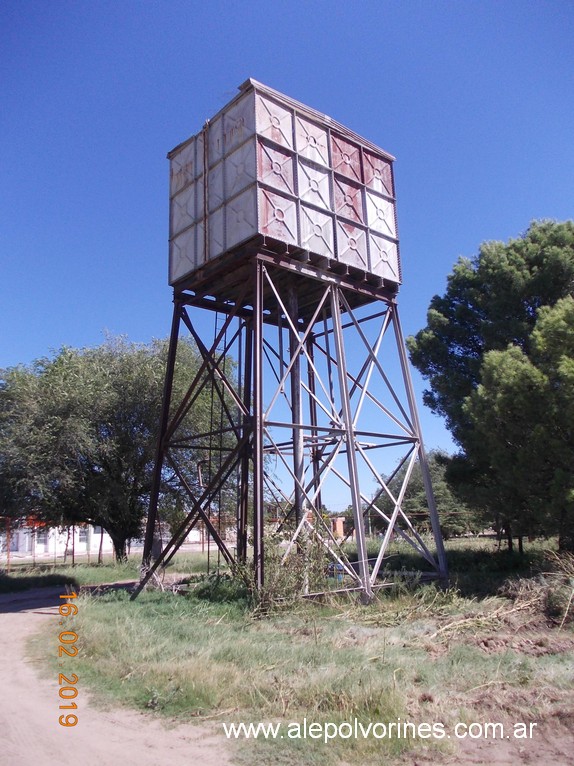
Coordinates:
(43, 542)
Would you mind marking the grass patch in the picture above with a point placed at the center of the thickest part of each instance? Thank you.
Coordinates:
(25, 576)
(189, 658)
(417, 653)
(478, 567)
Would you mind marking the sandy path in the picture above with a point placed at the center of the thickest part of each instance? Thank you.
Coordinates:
(31, 734)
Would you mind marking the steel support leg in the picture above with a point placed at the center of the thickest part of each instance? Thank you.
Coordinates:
(351, 453)
(435, 525)
(296, 408)
(247, 425)
(315, 451)
(164, 419)
(258, 425)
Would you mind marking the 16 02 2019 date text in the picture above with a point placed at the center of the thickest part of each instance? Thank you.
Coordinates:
(67, 647)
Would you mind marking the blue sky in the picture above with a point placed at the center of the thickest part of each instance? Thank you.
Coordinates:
(473, 98)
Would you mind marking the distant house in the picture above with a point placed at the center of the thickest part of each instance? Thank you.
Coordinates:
(36, 540)
(341, 527)
(32, 539)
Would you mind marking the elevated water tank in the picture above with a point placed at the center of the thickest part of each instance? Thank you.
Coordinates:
(269, 169)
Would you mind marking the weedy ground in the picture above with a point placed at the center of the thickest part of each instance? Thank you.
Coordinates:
(24, 575)
(496, 646)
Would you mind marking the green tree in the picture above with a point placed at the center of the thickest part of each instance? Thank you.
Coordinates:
(482, 353)
(78, 433)
(454, 515)
(523, 418)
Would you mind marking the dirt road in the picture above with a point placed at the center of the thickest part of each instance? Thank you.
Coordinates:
(31, 734)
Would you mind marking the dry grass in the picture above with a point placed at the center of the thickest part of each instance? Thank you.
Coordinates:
(417, 653)
(189, 659)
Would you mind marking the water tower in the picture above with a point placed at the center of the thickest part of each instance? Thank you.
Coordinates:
(283, 226)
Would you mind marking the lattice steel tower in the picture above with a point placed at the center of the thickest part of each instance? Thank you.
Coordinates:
(282, 221)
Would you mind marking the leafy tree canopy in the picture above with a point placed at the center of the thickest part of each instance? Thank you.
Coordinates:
(498, 352)
(78, 433)
(490, 301)
(522, 414)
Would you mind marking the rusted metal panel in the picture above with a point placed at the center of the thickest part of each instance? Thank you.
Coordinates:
(215, 141)
(186, 208)
(346, 158)
(352, 245)
(183, 168)
(378, 174)
(384, 258)
(275, 167)
(182, 252)
(312, 141)
(241, 217)
(199, 154)
(349, 200)
(240, 169)
(216, 228)
(314, 185)
(317, 234)
(277, 217)
(238, 123)
(216, 193)
(200, 256)
(274, 122)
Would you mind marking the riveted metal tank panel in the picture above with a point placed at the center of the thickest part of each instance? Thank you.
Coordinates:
(215, 187)
(215, 141)
(240, 169)
(348, 200)
(274, 122)
(381, 214)
(275, 167)
(317, 232)
(378, 174)
(238, 122)
(353, 245)
(183, 168)
(267, 165)
(384, 258)
(200, 158)
(314, 185)
(183, 251)
(241, 217)
(312, 141)
(186, 208)
(182, 210)
(346, 158)
(216, 230)
(278, 217)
